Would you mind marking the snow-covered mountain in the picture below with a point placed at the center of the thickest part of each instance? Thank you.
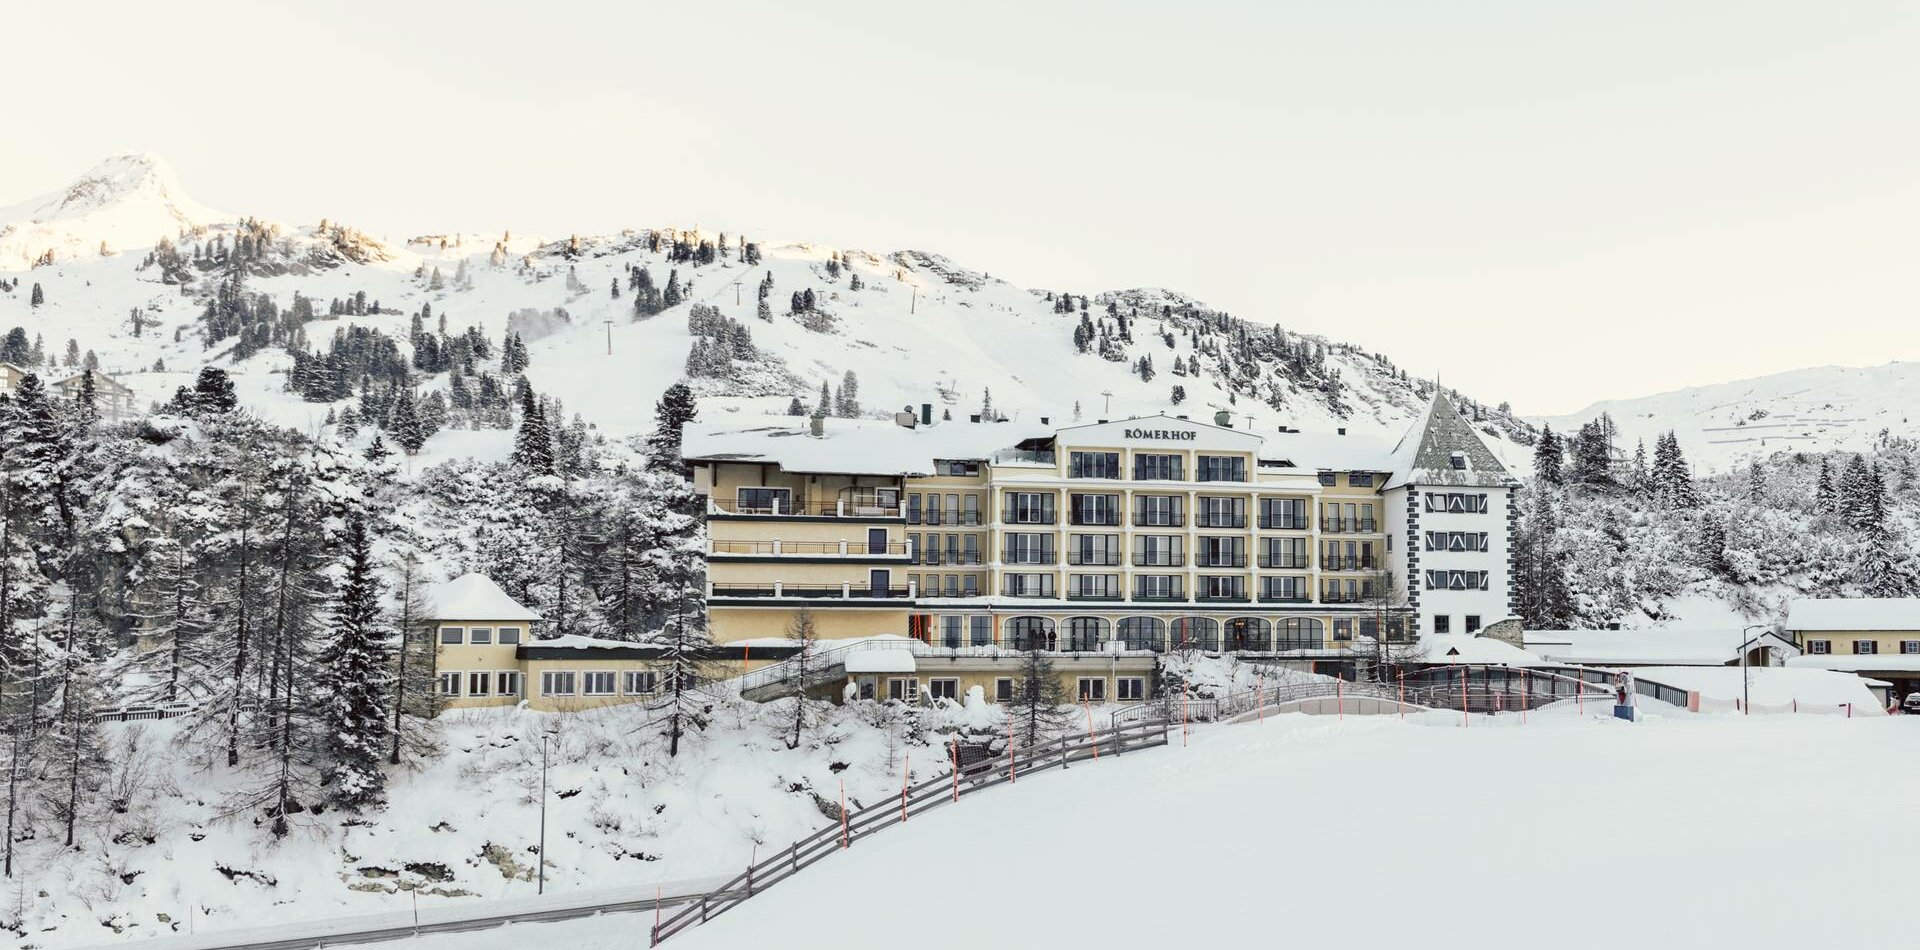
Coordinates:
(1819, 409)
(127, 201)
(913, 326)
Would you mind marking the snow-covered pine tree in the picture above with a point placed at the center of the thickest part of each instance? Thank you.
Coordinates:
(1035, 711)
(671, 414)
(533, 445)
(1824, 492)
(356, 683)
(416, 701)
(405, 424)
(72, 745)
(689, 648)
(1547, 456)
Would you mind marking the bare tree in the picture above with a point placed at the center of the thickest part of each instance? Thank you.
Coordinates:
(1386, 631)
(802, 628)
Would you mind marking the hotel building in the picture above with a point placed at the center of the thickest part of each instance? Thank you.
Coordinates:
(1104, 544)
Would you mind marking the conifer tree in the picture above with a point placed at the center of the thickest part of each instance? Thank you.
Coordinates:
(38, 296)
(213, 391)
(671, 414)
(1547, 455)
(533, 445)
(356, 682)
(1035, 712)
(405, 424)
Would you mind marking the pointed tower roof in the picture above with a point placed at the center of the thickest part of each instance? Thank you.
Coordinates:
(476, 597)
(1442, 448)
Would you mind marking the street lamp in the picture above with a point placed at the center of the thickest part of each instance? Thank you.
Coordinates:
(1746, 669)
(540, 859)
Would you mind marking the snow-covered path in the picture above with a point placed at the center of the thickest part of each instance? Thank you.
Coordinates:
(1773, 831)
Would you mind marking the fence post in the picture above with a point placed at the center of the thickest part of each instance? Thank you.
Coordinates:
(793, 856)
(906, 774)
(954, 744)
(843, 815)
(1012, 767)
(1096, 743)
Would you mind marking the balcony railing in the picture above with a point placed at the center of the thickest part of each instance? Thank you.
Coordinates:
(1044, 593)
(1142, 519)
(1177, 595)
(1285, 562)
(1223, 598)
(814, 548)
(846, 507)
(1095, 595)
(1340, 597)
(814, 591)
(1347, 564)
(1283, 523)
(1220, 521)
(1205, 559)
(1028, 557)
(1096, 519)
(1275, 597)
(1158, 560)
(1348, 526)
(1012, 516)
(937, 517)
(1096, 559)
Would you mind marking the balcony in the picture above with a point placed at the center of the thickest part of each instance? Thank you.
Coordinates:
(1223, 598)
(1340, 597)
(1158, 560)
(964, 519)
(846, 506)
(1096, 559)
(1028, 516)
(1012, 558)
(1347, 564)
(1178, 595)
(1095, 519)
(1095, 596)
(1283, 523)
(1043, 593)
(1217, 559)
(1285, 562)
(850, 549)
(810, 591)
(1142, 519)
(1220, 521)
(1348, 526)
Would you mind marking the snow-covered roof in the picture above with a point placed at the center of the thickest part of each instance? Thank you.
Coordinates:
(1426, 454)
(1853, 663)
(575, 641)
(852, 446)
(1469, 649)
(476, 597)
(1326, 451)
(880, 661)
(1700, 647)
(1854, 613)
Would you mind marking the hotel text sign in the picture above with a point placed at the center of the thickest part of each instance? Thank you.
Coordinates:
(1169, 435)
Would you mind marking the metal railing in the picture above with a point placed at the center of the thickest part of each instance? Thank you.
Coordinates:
(1158, 560)
(1204, 559)
(1220, 521)
(1284, 523)
(853, 507)
(859, 548)
(1142, 519)
(825, 591)
(1097, 559)
(960, 780)
(1012, 517)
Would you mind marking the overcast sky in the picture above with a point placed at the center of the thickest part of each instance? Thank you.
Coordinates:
(1546, 202)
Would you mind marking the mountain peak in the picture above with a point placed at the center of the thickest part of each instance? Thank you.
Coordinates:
(125, 201)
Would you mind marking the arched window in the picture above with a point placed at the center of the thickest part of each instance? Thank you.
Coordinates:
(1301, 633)
(1249, 633)
(1196, 633)
(1085, 633)
(1031, 633)
(1143, 633)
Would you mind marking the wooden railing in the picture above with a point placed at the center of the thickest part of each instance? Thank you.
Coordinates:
(912, 801)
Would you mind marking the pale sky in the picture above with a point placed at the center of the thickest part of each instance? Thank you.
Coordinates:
(1546, 202)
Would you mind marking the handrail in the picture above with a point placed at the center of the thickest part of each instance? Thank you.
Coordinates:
(928, 794)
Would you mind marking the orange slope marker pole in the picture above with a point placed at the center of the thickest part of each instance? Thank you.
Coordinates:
(1096, 745)
(954, 745)
(906, 774)
(843, 813)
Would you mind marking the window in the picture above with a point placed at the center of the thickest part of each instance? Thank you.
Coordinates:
(1819, 647)
(449, 684)
(1910, 647)
(1029, 548)
(953, 468)
(1131, 688)
(1283, 589)
(480, 635)
(1221, 552)
(1342, 629)
(913, 507)
(508, 682)
(1221, 468)
(1095, 509)
(1284, 553)
(1219, 587)
(1286, 514)
(1223, 512)
(970, 509)
(509, 636)
(766, 501)
(1029, 585)
(556, 683)
(452, 635)
(1327, 479)
(1458, 460)
(1456, 541)
(1360, 479)
(904, 689)
(1865, 647)
(1456, 580)
(1156, 587)
(1166, 468)
(1085, 633)
(1457, 502)
(943, 688)
(980, 630)
(1442, 623)
(970, 585)
(1157, 550)
(950, 630)
(1093, 465)
(1473, 623)
(1093, 689)
(1094, 586)
(1158, 511)
(641, 682)
(1029, 507)
(1003, 690)
(1093, 549)
(597, 683)
(479, 684)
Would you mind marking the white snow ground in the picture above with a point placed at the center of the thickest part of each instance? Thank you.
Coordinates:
(1570, 832)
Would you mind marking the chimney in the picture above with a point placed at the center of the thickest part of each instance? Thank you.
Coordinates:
(1044, 420)
(926, 413)
(905, 420)
(1342, 430)
(1103, 422)
(974, 418)
(817, 427)
(1223, 419)
(1182, 418)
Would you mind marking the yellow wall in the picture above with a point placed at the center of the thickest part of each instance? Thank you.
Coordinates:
(1842, 641)
(730, 624)
(466, 658)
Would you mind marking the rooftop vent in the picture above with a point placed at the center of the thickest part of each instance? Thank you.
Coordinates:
(1223, 419)
(926, 413)
(1103, 422)
(1342, 430)
(905, 420)
(817, 427)
(1044, 420)
(974, 418)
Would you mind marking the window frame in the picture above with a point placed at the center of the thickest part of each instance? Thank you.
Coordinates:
(950, 685)
(503, 679)
(446, 678)
(1139, 689)
(485, 680)
(1086, 686)
(480, 636)
(550, 677)
(458, 635)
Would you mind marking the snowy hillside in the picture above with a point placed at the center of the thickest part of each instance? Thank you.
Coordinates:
(1821, 409)
(912, 326)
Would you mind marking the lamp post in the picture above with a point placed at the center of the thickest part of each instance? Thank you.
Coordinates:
(540, 858)
(1746, 669)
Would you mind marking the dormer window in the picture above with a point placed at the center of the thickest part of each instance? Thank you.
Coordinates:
(1459, 461)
